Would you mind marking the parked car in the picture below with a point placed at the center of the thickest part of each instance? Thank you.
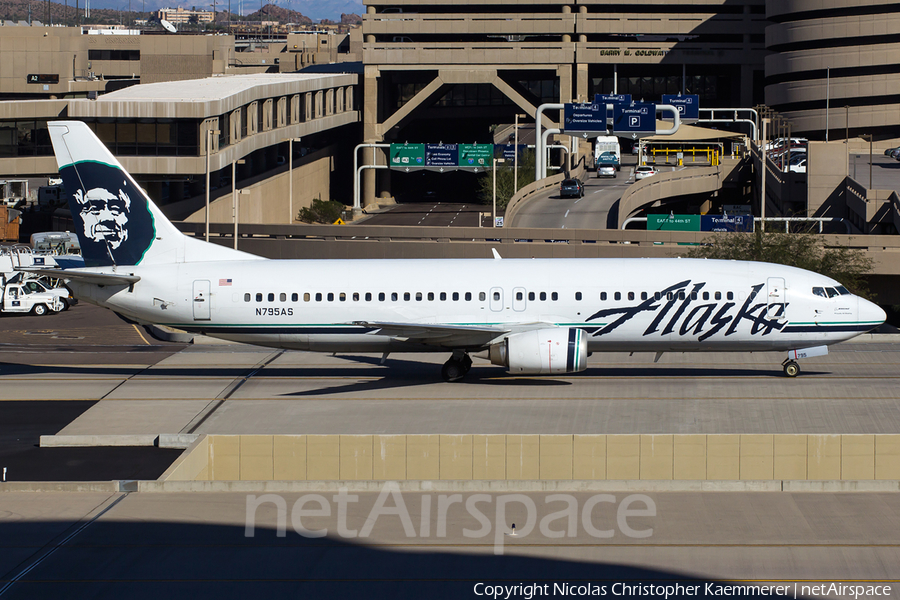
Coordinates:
(606, 171)
(644, 172)
(893, 153)
(571, 188)
(799, 167)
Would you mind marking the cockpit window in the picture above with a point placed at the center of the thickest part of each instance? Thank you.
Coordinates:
(842, 290)
(832, 292)
(819, 291)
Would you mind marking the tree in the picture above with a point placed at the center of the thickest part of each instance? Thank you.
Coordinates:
(506, 180)
(321, 211)
(804, 250)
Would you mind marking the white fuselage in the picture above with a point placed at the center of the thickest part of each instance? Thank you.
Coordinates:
(656, 305)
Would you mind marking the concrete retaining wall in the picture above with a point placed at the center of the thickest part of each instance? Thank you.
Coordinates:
(436, 457)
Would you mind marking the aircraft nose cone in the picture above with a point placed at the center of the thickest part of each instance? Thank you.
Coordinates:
(870, 313)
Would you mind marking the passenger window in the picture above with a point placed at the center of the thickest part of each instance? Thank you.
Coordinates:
(718, 295)
(271, 297)
(578, 296)
(531, 296)
(693, 295)
(406, 296)
(294, 297)
(617, 295)
(521, 296)
(418, 296)
(331, 296)
(368, 296)
(481, 296)
(468, 296)
(643, 295)
(282, 297)
(543, 296)
(730, 295)
(455, 296)
(554, 296)
(657, 295)
(381, 296)
(631, 295)
(319, 297)
(343, 297)
(431, 296)
(306, 297)
(259, 297)
(603, 296)
(356, 296)
(443, 296)
(681, 295)
(496, 296)
(246, 297)
(394, 296)
(706, 295)
(670, 296)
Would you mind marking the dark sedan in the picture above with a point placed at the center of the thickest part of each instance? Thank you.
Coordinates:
(571, 188)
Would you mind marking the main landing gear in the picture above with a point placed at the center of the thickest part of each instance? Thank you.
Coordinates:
(791, 367)
(457, 367)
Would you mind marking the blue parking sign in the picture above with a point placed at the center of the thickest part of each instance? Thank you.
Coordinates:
(637, 118)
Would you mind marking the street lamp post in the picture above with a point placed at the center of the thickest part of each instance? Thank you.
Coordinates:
(494, 202)
(516, 154)
(290, 142)
(234, 200)
(209, 134)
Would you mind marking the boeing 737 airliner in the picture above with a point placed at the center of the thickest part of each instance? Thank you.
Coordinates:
(531, 316)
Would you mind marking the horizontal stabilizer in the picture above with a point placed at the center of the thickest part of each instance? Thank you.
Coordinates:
(85, 276)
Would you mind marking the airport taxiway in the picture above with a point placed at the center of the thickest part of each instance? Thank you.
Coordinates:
(150, 387)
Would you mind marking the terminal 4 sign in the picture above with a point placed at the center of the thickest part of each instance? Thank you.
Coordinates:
(688, 106)
(588, 119)
(634, 120)
(612, 99)
(672, 222)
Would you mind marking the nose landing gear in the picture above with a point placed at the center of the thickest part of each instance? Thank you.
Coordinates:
(791, 367)
(457, 367)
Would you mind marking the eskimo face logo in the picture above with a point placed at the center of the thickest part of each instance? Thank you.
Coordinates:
(104, 216)
(110, 214)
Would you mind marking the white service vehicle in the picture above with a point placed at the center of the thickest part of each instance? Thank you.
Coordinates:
(20, 298)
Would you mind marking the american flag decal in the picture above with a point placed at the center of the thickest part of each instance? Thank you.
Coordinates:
(224, 282)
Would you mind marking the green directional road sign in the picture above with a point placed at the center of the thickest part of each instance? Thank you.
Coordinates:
(673, 222)
(407, 157)
(476, 155)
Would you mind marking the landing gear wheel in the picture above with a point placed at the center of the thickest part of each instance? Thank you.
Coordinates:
(791, 368)
(452, 370)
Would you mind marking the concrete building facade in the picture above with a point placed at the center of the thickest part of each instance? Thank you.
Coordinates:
(437, 60)
(835, 64)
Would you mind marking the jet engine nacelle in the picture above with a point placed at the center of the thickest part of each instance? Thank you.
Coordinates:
(542, 351)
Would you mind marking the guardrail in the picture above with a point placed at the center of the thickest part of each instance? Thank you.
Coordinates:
(663, 186)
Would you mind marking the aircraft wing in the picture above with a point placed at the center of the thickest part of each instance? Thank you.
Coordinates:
(84, 276)
(438, 335)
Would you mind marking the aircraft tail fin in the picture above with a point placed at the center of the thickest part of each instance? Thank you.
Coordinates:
(115, 220)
